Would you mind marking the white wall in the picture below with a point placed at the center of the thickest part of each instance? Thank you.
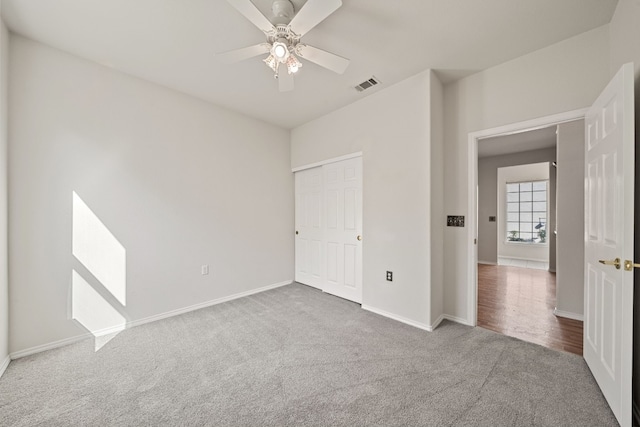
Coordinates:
(520, 173)
(392, 129)
(488, 196)
(177, 182)
(563, 77)
(625, 33)
(570, 220)
(4, 279)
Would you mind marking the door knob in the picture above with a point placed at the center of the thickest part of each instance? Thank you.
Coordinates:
(630, 265)
(359, 237)
(615, 262)
(296, 232)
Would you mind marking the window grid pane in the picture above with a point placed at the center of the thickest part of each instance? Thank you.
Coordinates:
(527, 212)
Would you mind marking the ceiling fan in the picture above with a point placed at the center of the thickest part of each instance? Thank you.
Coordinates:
(283, 44)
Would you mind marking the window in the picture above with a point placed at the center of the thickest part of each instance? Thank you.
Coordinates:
(527, 212)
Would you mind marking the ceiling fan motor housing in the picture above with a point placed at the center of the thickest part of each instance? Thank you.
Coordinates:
(282, 9)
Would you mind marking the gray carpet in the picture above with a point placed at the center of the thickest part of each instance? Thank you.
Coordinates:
(294, 356)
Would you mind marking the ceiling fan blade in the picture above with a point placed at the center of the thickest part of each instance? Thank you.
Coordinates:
(244, 53)
(312, 13)
(325, 59)
(285, 80)
(251, 12)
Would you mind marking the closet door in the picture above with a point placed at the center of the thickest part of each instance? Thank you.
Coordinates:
(343, 242)
(309, 239)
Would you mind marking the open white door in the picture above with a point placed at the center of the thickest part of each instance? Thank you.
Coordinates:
(609, 200)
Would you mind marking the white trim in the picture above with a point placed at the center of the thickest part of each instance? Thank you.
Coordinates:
(456, 319)
(487, 262)
(568, 315)
(437, 322)
(472, 185)
(327, 161)
(139, 322)
(523, 259)
(206, 304)
(398, 318)
(428, 328)
(5, 364)
(511, 242)
(49, 346)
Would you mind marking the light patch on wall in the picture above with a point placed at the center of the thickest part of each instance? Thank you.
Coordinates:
(102, 255)
(95, 313)
(98, 250)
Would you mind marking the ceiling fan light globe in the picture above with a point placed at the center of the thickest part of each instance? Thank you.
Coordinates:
(271, 62)
(293, 64)
(280, 51)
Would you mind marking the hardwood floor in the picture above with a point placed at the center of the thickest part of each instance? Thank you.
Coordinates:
(519, 302)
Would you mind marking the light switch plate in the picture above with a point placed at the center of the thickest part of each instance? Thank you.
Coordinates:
(455, 221)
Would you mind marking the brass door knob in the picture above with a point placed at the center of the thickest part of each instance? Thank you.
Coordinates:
(630, 265)
(359, 237)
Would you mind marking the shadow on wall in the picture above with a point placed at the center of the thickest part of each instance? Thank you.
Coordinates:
(99, 281)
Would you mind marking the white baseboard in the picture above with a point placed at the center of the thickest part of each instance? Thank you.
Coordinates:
(429, 328)
(435, 324)
(49, 346)
(205, 304)
(139, 322)
(544, 261)
(4, 364)
(487, 262)
(568, 315)
(398, 318)
(456, 319)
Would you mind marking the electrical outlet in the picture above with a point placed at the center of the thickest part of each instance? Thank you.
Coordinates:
(205, 270)
(390, 276)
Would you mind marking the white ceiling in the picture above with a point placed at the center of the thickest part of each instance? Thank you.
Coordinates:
(518, 142)
(173, 43)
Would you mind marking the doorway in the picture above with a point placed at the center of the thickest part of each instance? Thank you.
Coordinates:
(509, 297)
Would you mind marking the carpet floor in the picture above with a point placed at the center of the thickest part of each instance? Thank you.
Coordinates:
(294, 356)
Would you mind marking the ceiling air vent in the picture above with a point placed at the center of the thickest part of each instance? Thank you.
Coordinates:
(367, 84)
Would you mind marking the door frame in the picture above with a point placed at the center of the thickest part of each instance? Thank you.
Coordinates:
(472, 191)
(327, 161)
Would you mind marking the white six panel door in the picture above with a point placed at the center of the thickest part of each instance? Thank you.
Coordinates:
(329, 228)
(343, 198)
(609, 198)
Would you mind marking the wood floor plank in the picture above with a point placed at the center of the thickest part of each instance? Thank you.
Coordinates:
(519, 302)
